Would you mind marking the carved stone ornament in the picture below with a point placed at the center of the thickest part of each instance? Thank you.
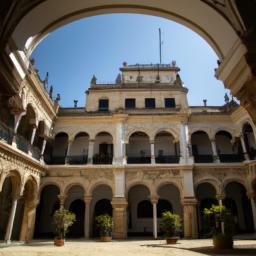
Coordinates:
(15, 104)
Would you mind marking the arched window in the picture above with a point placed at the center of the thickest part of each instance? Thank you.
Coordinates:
(162, 206)
(145, 209)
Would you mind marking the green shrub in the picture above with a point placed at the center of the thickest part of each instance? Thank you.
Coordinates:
(170, 224)
(62, 220)
(104, 224)
(214, 217)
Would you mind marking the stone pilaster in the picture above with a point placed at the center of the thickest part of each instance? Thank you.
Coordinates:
(119, 205)
(190, 218)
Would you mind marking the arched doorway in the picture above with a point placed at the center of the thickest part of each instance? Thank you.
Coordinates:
(201, 147)
(101, 204)
(75, 203)
(170, 200)
(139, 211)
(138, 150)
(206, 195)
(166, 149)
(49, 202)
(103, 148)
(240, 206)
(77, 229)
(249, 140)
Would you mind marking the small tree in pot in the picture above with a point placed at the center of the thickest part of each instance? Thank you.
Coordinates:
(170, 224)
(62, 220)
(221, 222)
(104, 225)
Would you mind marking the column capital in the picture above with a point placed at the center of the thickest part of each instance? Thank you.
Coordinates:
(154, 199)
(220, 196)
(119, 202)
(91, 140)
(251, 195)
(189, 201)
(87, 199)
(152, 141)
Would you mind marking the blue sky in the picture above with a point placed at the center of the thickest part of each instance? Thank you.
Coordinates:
(100, 44)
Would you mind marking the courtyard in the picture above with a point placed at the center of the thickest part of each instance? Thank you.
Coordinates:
(246, 246)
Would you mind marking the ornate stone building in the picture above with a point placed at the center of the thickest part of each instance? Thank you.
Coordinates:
(136, 149)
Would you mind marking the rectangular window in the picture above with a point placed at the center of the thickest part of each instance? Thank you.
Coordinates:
(169, 102)
(150, 103)
(103, 105)
(130, 103)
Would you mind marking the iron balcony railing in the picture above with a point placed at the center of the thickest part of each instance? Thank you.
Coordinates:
(22, 143)
(167, 159)
(35, 152)
(6, 133)
(102, 159)
(231, 158)
(77, 159)
(139, 160)
(54, 159)
(203, 158)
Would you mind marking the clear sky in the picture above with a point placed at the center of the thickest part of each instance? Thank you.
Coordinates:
(100, 44)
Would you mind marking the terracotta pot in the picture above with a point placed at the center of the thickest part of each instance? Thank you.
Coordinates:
(172, 240)
(105, 238)
(59, 242)
(223, 243)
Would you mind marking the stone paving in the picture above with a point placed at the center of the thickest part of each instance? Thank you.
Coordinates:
(197, 247)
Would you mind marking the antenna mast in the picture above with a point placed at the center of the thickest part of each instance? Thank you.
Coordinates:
(160, 46)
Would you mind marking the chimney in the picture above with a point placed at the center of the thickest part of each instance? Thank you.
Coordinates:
(75, 103)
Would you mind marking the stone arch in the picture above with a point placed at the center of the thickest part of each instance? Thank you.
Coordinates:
(214, 182)
(224, 129)
(53, 183)
(175, 183)
(25, 36)
(74, 184)
(139, 183)
(171, 131)
(238, 180)
(16, 178)
(102, 182)
(135, 130)
(203, 129)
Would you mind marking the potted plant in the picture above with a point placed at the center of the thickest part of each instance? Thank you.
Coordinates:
(62, 220)
(170, 225)
(104, 225)
(221, 222)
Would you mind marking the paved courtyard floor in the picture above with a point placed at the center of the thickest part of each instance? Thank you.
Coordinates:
(138, 247)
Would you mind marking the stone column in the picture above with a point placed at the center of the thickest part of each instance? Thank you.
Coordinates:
(185, 157)
(87, 200)
(252, 198)
(220, 200)
(119, 205)
(214, 151)
(152, 150)
(62, 199)
(32, 138)
(119, 150)
(246, 156)
(28, 222)
(154, 203)
(17, 119)
(190, 218)
(9, 229)
(90, 151)
(42, 150)
(68, 151)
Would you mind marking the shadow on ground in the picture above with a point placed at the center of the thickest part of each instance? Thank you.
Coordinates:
(241, 250)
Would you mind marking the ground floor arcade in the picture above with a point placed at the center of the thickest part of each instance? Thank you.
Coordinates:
(135, 197)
